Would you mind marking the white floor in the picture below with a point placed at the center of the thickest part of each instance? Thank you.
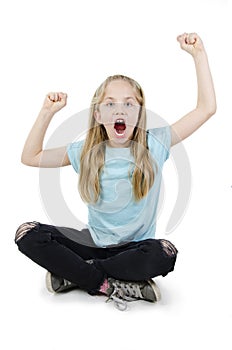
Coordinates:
(195, 311)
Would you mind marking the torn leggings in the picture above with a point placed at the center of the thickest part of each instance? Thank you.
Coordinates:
(60, 251)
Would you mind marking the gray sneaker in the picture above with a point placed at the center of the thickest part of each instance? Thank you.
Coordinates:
(122, 291)
(57, 284)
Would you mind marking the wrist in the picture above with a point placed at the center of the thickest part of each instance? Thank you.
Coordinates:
(46, 113)
(200, 55)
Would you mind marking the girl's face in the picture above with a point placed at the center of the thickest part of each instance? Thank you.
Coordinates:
(119, 112)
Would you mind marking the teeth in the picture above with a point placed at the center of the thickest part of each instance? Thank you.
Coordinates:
(120, 121)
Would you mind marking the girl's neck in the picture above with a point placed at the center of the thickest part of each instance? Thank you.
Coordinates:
(112, 144)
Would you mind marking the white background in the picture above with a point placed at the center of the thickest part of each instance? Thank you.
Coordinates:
(73, 46)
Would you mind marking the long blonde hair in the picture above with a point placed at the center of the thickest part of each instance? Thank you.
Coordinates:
(93, 154)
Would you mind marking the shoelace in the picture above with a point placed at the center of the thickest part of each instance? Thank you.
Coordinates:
(124, 292)
(118, 298)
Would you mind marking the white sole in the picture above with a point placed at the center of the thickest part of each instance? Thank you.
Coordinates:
(48, 280)
(155, 289)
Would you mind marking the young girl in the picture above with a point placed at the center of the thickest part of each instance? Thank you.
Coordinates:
(119, 165)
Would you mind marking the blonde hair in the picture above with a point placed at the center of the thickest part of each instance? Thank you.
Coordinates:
(93, 154)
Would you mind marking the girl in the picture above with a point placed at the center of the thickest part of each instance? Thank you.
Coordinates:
(119, 165)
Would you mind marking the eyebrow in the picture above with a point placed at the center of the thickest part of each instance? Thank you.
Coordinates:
(112, 98)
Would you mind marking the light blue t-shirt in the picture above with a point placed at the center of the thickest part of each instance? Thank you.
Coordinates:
(116, 218)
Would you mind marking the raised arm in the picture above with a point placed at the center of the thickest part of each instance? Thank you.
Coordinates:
(33, 153)
(206, 100)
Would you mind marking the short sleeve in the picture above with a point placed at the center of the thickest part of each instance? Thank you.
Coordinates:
(74, 153)
(159, 143)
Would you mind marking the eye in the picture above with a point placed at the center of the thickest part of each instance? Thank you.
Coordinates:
(128, 104)
(110, 104)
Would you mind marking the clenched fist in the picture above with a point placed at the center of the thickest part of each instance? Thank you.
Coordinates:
(55, 101)
(191, 43)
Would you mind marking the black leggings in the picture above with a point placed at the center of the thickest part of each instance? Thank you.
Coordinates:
(66, 257)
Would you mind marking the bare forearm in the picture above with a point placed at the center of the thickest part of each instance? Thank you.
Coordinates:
(33, 147)
(34, 141)
(206, 99)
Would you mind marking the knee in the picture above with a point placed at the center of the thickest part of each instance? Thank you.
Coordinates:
(168, 248)
(24, 229)
(170, 254)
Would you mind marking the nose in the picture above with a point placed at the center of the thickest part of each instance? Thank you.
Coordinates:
(119, 108)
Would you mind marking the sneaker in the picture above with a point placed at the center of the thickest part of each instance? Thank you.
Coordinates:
(57, 284)
(122, 291)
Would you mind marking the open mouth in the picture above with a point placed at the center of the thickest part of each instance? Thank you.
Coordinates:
(120, 127)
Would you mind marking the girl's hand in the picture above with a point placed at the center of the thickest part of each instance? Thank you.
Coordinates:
(191, 43)
(55, 101)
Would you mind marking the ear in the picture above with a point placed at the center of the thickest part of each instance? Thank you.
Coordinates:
(97, 116)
